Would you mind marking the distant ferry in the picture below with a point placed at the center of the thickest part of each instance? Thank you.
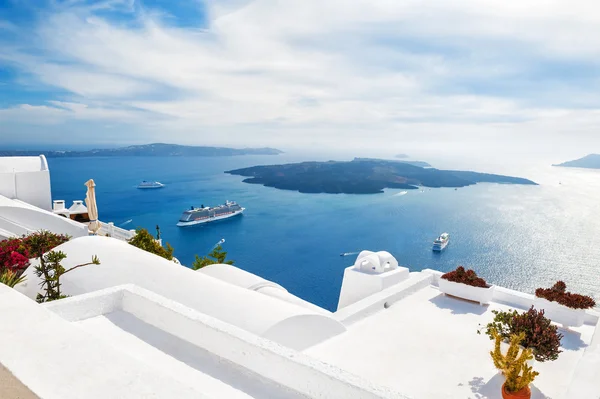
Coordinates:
(207, 214)
(150, 184)
(441, 242)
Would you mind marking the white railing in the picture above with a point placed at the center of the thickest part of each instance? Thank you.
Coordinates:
(109, 229)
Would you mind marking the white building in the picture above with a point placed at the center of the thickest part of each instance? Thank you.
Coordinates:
(138, 326)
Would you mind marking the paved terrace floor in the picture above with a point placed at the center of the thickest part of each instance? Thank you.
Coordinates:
(12, 388)
(426, 346)
(179, 359)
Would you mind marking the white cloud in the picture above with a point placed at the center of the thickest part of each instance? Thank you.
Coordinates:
(303, 72)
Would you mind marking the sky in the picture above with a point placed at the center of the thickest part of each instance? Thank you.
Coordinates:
(477, 76)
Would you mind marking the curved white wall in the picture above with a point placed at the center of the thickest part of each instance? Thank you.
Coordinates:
(122, 263)
(21, 219)
(245, 279)
(237, 276)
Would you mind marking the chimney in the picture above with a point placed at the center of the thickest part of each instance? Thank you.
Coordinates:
(58, 205)
(371, 273)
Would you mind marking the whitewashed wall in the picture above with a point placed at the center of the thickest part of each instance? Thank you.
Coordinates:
(27, 179)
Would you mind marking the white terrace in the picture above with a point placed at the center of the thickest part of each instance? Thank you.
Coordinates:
(426, 345)
(224, 333)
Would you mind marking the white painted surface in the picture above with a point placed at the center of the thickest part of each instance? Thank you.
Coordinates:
(57, 360)
(255, 366)
(27, 179)
(123, 331)
(427, 346)
(477, 294)
(358, 284)
(516, 299)
(23, 164)
(378, 302)
(244, 279)
(21, 218)
(109, 229)
(560, 314)
(122, 263)
(77, 208)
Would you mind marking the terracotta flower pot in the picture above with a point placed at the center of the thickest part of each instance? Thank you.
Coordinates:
(524, 393)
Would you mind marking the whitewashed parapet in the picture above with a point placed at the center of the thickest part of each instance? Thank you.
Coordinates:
(560, 314)
(515, 299)
(483, 295)
(109, 229)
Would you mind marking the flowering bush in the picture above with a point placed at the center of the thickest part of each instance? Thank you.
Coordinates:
(14, 255)
(469, 277)
(558, 293)
(16, 252)
(540, 334)
(43, 241)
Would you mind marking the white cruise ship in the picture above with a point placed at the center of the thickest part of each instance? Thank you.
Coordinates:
(150, 184)
(441, 242)
(209, 214)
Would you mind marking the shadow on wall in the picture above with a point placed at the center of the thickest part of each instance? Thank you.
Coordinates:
(571, 340)
(457, 305)
(201, 359)
(493, 388)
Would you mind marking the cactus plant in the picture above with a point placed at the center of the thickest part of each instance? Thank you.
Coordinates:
(513, 364)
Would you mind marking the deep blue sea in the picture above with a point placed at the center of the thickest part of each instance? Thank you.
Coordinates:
(520, 237)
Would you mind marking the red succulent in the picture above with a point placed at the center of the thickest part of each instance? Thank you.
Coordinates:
(469, 277)
(558, 293)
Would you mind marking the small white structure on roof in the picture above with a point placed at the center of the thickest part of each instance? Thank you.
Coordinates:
(371, 273)
(26, 179)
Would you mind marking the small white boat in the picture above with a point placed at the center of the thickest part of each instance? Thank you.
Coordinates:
(441, 242)
(150, 184)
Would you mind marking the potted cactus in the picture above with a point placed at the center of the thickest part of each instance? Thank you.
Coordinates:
(513, 366)
(562, 306)
(466, 284)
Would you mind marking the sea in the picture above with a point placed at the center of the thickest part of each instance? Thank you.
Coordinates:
(520, 237)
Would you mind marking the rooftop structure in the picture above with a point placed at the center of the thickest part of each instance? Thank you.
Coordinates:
(26, 179)
(140, 326)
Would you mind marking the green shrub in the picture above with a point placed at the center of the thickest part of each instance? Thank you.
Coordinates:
(217, 255)
(11, 278)
(50, 270)
(144, 240)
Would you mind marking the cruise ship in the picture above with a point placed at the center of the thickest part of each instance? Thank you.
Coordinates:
(441, 242)
(209, 214)
(150, 184)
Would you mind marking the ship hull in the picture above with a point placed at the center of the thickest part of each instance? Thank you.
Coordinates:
(439, 247)
(211, 219)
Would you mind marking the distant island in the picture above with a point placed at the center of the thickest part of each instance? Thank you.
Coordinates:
(591, 161)
(149, 150)
(362, 176)
(401, 156)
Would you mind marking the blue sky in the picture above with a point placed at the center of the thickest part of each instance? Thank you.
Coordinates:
(485, 74)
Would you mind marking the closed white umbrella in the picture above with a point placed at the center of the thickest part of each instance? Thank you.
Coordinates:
(90, 202)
